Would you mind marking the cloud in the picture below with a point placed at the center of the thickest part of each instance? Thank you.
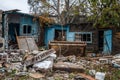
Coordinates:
(14, 4)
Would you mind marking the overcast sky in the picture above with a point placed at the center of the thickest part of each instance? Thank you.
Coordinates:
(14, 4)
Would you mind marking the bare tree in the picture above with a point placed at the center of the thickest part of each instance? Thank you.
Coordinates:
(63, 10)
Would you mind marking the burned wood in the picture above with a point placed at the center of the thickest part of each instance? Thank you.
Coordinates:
(41, 56)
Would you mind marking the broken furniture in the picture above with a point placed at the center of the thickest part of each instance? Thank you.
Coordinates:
(67, 48)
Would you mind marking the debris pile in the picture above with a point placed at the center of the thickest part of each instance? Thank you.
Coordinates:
(24, 61)
(45, 65)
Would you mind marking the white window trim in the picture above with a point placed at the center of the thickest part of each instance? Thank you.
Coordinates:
(85, 33)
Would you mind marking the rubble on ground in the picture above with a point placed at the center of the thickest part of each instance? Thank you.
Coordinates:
(45, 65)
(68, 66)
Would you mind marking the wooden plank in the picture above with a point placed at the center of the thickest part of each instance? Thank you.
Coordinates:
(59, 44)
(68, 42)
(26, 43)
(31, 44)
(22, 43)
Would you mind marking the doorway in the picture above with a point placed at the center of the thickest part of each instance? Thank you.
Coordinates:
(14, 30)
(105, 41)
(101, 40)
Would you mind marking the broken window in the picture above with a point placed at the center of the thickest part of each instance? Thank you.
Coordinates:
(27, 29)
(87, 37)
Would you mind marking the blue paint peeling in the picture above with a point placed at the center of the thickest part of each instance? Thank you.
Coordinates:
(107, 42)
(16, 21)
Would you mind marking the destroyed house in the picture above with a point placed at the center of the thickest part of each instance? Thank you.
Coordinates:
(18, 24)
(99, 40)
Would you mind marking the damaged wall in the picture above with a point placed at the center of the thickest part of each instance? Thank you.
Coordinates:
(20, 24)
(116, 41)
(78, 31)
(99, 40)
(71, 31)
(24, 20)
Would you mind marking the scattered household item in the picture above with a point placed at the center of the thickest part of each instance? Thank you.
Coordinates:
(100, 76)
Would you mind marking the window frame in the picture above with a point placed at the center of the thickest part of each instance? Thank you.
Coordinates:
(81, 33)
(27, 28)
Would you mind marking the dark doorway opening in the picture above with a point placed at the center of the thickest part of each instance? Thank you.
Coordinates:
(101, 40)
(58, 35)
(14, 30)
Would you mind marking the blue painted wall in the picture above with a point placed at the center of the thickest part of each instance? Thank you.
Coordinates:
(50, 32)
(70, 36)
(28, 20)
(22, 19)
